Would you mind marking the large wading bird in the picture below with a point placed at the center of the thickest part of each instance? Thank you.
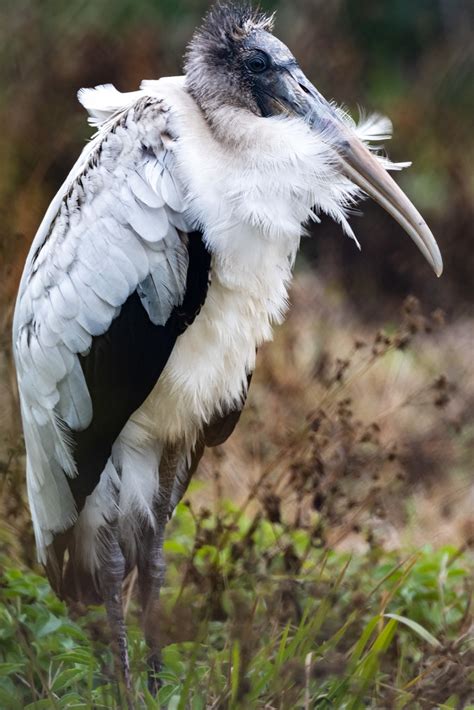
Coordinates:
(159, 268)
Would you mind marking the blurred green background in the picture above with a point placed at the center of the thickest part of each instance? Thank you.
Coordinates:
(410, 60)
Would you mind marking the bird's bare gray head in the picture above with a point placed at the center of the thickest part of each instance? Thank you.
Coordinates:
(235, 62)
(227, 61)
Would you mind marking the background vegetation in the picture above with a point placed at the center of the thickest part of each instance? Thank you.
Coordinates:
(351, 470)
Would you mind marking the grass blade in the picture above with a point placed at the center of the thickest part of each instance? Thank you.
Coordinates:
(417, 628)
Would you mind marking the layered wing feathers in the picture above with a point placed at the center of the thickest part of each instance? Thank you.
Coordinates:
(111, 231)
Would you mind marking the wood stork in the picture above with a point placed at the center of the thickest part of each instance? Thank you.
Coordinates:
(159, 268)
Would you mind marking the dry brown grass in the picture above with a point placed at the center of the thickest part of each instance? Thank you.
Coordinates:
(372, 430)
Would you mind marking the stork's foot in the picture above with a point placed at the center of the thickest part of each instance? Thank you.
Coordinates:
(155, 667)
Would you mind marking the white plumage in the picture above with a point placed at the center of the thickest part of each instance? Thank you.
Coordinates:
(110, 230)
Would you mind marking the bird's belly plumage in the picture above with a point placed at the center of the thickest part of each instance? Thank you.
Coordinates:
(208, 369)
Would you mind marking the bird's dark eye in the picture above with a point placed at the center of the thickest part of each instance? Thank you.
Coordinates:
(257, 62)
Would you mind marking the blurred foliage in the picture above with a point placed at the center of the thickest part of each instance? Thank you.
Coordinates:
(412, 61)
(258, 617)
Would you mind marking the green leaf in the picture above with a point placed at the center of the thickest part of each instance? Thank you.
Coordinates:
(44, 704)
(417, 628)
(52, 624)
(175, 547)
(364, 639)
(9, 701)
(8, 668)
(68, 677)
(78, 655)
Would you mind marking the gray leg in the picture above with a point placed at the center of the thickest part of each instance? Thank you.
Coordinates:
(151, 565)
(111, 576)
(151, 576)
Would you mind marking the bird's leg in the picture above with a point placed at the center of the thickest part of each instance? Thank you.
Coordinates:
(111, 576)
(152, 567)
(150, 578)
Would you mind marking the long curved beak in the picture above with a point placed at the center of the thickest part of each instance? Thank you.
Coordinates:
(363, 168)
(358, 163)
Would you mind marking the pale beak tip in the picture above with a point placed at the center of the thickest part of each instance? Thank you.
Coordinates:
(437, 260)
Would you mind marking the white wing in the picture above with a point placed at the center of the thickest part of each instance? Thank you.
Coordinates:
(111, 230)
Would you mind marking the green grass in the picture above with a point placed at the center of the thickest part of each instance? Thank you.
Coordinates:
(256, 616)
